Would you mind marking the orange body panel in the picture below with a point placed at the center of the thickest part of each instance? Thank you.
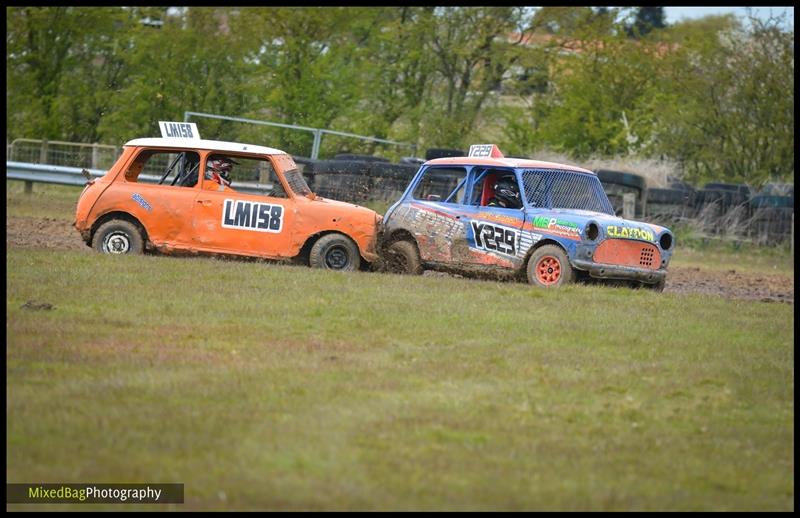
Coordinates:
(205, 219)
(624, 252)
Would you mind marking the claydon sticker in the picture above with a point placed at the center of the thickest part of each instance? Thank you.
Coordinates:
(630, 233)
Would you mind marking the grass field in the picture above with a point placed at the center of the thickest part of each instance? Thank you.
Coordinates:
(272, 387)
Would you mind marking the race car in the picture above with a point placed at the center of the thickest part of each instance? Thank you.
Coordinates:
(550, 223)
(184, 194)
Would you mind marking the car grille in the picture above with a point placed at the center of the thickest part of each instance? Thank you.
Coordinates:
(626, 252)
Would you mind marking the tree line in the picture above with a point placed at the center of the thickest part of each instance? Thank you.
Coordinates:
(715, 95)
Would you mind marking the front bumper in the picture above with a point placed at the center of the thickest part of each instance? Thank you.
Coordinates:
(613, 271)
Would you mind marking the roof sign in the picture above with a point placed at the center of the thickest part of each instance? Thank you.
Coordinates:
(485, 151)
(179, 129)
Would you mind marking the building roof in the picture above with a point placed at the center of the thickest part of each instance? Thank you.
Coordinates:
(213, 145)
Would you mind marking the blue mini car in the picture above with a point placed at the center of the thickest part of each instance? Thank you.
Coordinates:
(549, 222)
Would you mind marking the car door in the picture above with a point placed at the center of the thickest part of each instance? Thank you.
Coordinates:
(492, 233)
(233, 222)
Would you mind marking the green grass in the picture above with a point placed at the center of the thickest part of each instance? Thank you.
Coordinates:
(284, 388)
(46, 200)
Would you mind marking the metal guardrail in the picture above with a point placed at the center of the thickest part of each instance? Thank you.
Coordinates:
(317, 132)
(55, 174)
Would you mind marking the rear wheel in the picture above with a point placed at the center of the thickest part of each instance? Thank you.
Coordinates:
(118, 236)
(402, 257)
(549, 267)
(334, 252)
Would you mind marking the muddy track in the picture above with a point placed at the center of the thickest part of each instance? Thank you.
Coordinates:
(27, 232)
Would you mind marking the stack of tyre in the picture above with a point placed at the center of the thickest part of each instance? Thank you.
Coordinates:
(359, 178)
(723, 208)
(671, 204)
(772, 214)
(618, 183)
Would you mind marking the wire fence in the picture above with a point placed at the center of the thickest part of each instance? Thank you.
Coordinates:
(56, 152)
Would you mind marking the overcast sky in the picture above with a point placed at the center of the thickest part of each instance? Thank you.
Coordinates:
(675, 14)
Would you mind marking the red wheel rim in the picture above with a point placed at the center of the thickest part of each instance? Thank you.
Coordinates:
(548, 270)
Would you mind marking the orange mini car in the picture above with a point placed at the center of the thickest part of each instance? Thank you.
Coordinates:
(250, 201)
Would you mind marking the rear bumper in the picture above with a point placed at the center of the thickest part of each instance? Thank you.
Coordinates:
(613, 271)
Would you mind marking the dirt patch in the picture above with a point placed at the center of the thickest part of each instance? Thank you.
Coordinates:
(27, 232)
(766, 287)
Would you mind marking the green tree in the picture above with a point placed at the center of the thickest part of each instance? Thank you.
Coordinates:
(193, 62)
(63, 68)
(646, 20)
(397, 74)
(307, 63)
(728, 109)
(598, 100)
(473, 49)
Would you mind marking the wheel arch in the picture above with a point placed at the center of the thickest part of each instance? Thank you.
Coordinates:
(117, 214)
(539, 244)
(400, 234)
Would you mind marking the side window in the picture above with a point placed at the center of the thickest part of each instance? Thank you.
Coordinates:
(445, 184)
(259, 171)
(484, 182)
(178, 168)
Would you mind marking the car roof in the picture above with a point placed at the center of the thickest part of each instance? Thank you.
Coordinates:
(506, 162)
(214, 145)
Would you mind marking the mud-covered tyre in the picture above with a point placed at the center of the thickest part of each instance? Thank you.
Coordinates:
(335, 252)
(118, 236)
(549, 267)
(402, 257)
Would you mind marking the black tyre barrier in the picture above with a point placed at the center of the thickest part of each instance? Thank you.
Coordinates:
(342, 166)
(771, 225)
(435, 152)
(764, 201)
(360, 158)
(626, 182)
(681, 186)
(622, 178)
(742, 190)
(669, 196)
(355, 182)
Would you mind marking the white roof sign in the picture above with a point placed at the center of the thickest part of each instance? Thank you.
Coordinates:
(179, 129)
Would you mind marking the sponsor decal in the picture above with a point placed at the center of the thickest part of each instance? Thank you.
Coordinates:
(630, 233)
(249, 215)
(179, 129)
(495, 238)
(557, 226)
(141, 201)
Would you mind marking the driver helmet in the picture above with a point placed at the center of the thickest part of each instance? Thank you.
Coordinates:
(507, 192)
(219, 169)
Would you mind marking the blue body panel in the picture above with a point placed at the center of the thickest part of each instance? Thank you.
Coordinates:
(464, 236)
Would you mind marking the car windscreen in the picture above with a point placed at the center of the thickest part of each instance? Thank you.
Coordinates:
(296, 182)
(556, 189)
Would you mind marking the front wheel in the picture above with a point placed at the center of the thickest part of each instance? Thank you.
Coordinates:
(335, 252)
(402, 257)
(118, 236)
(549, 267)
